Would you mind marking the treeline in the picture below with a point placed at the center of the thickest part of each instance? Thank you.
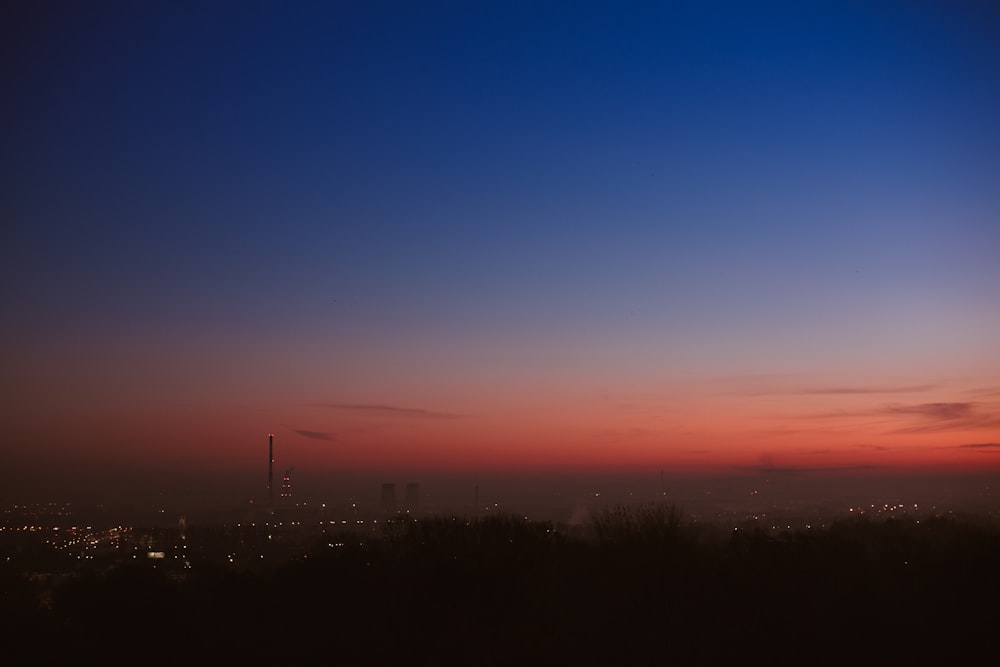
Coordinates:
(636, 585)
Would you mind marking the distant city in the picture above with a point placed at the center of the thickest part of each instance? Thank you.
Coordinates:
(675, 561)
(54, 538)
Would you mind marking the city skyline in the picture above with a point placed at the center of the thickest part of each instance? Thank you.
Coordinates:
(487, 239)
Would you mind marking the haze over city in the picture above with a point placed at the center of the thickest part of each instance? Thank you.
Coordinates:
(538, 247)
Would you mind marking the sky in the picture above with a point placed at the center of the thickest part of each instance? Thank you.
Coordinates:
(409, 238)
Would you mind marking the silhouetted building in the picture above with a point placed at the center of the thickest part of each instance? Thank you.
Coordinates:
(412, 496)
(387, 503)
(286, 485)
(270, 470)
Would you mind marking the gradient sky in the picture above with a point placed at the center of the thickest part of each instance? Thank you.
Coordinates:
(497, 236)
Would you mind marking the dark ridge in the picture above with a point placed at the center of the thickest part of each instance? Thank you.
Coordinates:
(634, 585)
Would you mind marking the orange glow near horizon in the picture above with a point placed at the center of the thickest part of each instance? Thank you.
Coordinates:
(834, 429)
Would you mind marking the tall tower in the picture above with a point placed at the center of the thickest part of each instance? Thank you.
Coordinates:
(270, 470)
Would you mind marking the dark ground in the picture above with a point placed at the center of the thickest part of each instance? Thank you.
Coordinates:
(636, 586)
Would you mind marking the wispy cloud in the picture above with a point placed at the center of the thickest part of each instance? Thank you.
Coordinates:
(382, 410)
(993, 446)
(934, 410)
(768, 466)
(315, 435)
(900, 419)
(798, 470)
(983, 391)
(779, 432)
(782, 386)
(908, 389)
(937, 417)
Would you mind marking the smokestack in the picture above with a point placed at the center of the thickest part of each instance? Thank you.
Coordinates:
(270, 470)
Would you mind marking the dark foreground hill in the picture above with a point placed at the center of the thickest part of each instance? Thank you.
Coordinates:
(636, 586)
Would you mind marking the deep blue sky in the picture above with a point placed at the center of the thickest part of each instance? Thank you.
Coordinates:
(596, 189)
(177, 146)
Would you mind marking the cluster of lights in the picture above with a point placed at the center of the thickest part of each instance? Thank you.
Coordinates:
(885, 507)
(77, 538)
(31, 528)
(48, 509)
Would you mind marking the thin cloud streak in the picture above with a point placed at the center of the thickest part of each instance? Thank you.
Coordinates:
(974, 423)
(983, 391)
(911, 389)
(829, 391)
(877, 448)
(314, 435)
(382, 410)
(945, 411)
(798, 470)
(938, 417)
(931, 417)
